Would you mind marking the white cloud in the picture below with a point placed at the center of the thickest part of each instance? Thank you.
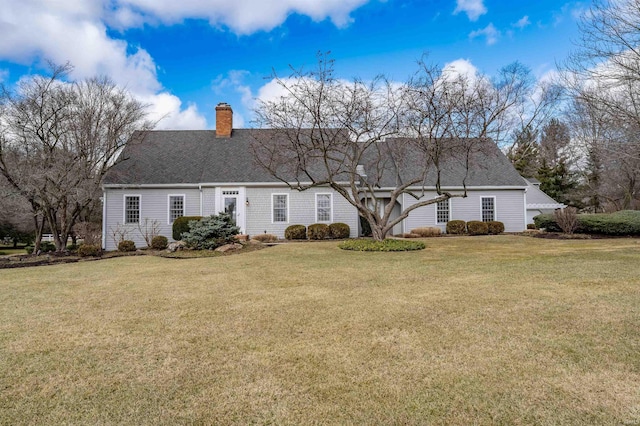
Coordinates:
(473, 8)
(460, 67)
(166, 109)
(241, 16)
(522, 22)
(4, 74)
(490, 33)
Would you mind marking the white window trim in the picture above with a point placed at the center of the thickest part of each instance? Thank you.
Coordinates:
(124, 208)
(495, 206)
(330, 207)
(272, 197)
(449, 208)
(184, 206)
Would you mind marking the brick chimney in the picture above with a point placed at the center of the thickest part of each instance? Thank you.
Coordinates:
(224, 120)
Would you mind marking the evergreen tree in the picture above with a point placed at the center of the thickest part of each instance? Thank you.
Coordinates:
(524, 152)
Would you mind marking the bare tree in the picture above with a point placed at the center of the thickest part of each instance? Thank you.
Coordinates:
(603, 79)
(59, 138)
(373, 141)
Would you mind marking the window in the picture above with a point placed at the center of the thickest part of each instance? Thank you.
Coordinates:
(488, 209)
(280, 203)
(131, 208)
(176, 207)
(323, 207)
(442, 211)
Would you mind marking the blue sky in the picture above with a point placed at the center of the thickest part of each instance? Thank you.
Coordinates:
(183, 57)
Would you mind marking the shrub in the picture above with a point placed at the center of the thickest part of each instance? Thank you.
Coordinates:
(626, 222)
(456, 227)
(45, 247)
(266, 238)
(318, 231)
(385, 245)
(181, 225)
(159, 242)
(531, 226)
(546, 222)
(495, 227)
(427, 231)
(210, 232)
(126, 245)
(88, 250)
(339, 230)
(296, 232)
(475, 227)
(72, 247)
(567, 219)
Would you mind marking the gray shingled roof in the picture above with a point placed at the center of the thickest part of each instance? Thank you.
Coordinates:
(197, 156)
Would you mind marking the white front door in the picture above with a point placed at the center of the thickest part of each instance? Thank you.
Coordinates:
(231, 207)
(231, 201)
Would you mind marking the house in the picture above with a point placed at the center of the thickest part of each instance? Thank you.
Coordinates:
(538, 202)
(198, 173)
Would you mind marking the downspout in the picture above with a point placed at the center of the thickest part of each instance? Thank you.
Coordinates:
(525, 208)
(200, 188)
(104, 219)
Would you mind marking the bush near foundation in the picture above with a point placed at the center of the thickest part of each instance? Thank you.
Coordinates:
(126, 246)
(495, 227)
(211, 232)
(181, 225)
(296, 232)
(159, 242)
(428, 231)
(476, 227)
(339, 230)
(456, 227)
(89, 250)
(265, 238)
(318, 231)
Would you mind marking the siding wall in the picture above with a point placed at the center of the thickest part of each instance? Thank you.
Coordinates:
(302, 210)
(509, 207)
(154, 206)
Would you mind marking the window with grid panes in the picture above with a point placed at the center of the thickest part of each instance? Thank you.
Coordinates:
(323, 205)
(280, 207)
(132, 209)
(442, 211)
(176, 207)
(488, 209)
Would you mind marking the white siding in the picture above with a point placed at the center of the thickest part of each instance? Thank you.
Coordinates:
(302, 207)
(154, 205)
(509, 206)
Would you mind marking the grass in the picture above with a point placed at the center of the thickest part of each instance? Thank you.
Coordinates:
(472, 330)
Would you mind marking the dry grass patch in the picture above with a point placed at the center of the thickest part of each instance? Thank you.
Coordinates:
(484, 330)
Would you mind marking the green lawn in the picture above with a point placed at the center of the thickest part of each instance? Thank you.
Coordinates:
(472, 330)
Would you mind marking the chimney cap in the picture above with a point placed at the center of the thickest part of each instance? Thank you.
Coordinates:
(223, 105)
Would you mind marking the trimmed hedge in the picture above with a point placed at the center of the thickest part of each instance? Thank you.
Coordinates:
(265, 238)
(339, 230)
(318, 231)
(456, 227)
(495, 227)
(181, 225)
(126, 245)
(296, 232)
(159, 242)
(622, 223)
(476, 227)
(89, 250)
(385, 245)
(429, 231)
